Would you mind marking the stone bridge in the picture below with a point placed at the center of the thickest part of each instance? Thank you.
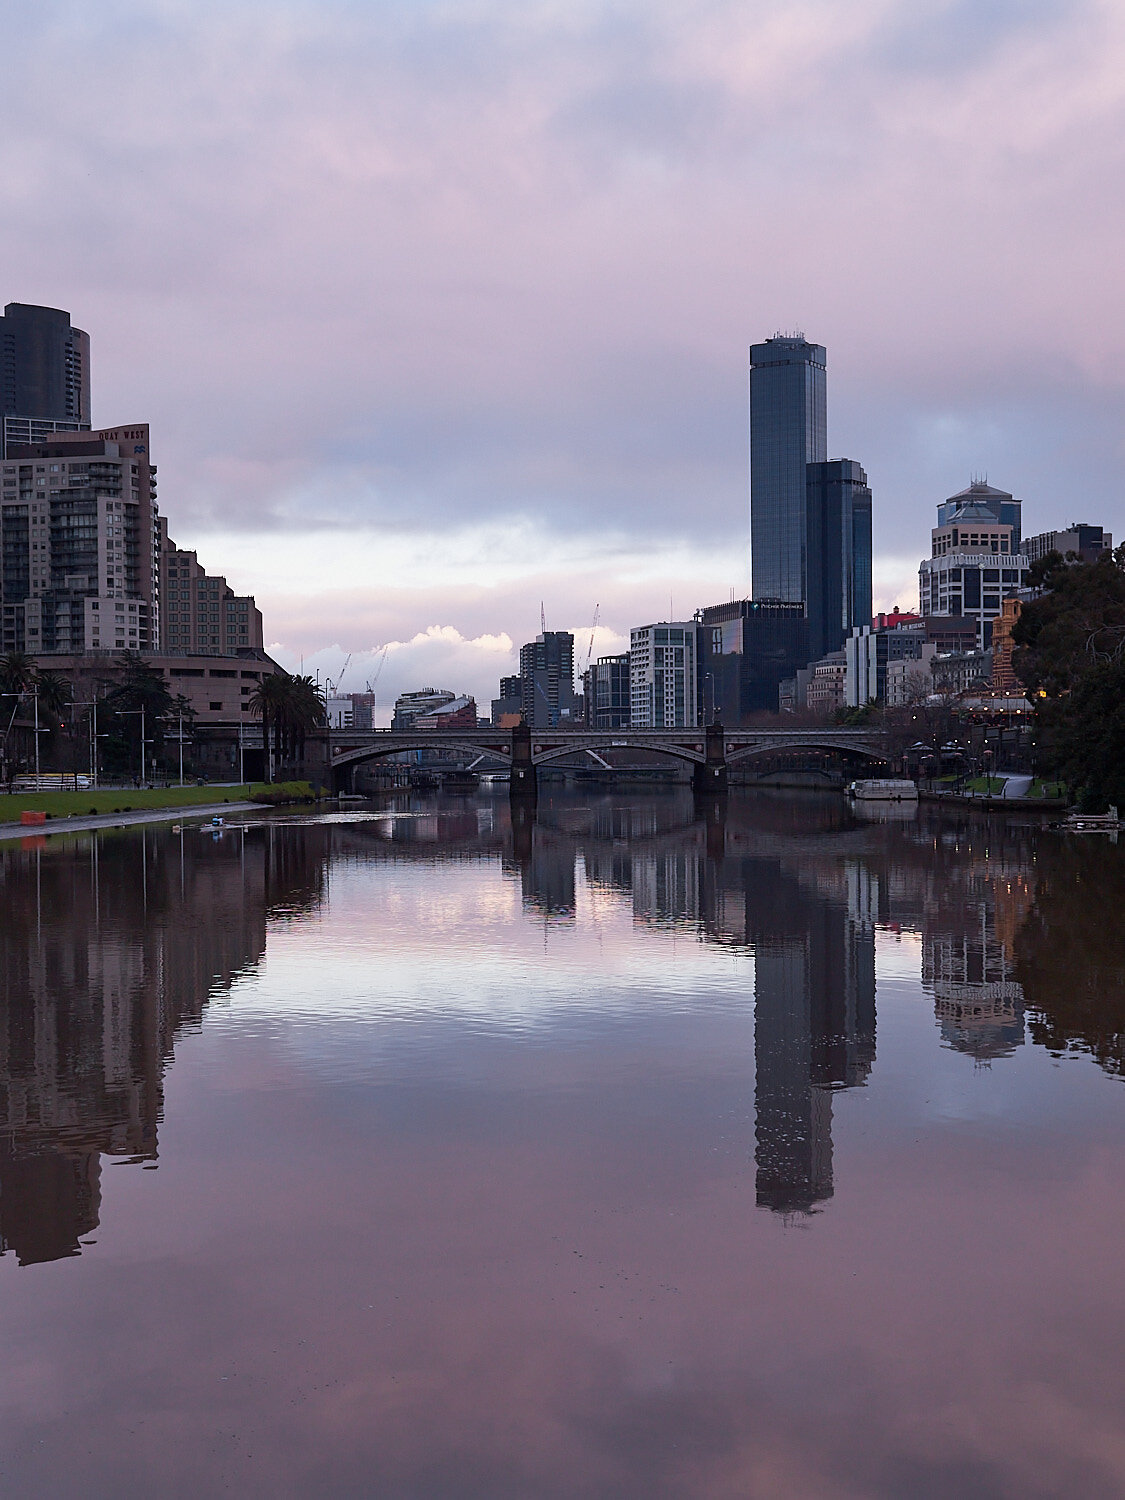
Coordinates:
(519, 752)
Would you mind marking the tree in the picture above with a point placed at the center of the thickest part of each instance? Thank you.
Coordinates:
(135, 687)
(1070, 653)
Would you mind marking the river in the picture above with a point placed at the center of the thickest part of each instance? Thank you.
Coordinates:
(632, 1148)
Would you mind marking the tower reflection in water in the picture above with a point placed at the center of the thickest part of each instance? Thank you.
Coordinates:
(767, 878)
(108, 951)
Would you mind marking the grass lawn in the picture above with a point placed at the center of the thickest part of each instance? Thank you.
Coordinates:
(130, 799)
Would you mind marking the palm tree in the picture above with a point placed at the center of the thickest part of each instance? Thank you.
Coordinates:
(305, 711)
(267, 702)
(17, 672)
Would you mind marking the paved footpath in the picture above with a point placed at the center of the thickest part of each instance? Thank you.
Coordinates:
(190, 814)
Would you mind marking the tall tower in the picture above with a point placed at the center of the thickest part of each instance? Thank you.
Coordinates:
(44, 374)
(788, 430)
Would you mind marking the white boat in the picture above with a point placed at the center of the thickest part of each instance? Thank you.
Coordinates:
(883, 789)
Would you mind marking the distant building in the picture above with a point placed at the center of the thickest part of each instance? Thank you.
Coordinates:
(788, 431)
(351, 711)
(607, 687)
(44, 375)
(408, 706)
(962, 672)
(910, 680)
(868, 653)
(508, 708)
(986, 499)
(893, 619)
(458, 713)
(975, 561)
(1004, 679)
(664, 675)
(824, 692)
(748, 647)
(838, 552)
(1087, 543)
(547, 679)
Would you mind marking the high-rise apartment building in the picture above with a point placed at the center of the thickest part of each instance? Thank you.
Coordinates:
(80, 543)
(788, 431)
(547, 679)
(664, 675)
(44, 374)
(810, 519)
(200, 614)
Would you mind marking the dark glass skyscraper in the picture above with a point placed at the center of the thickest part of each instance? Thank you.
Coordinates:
(837, 553)
(44, 374)
(788, 430)
(810, 519)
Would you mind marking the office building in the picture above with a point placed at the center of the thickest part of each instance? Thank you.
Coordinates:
(608, 692)
(975, 564)
(1080, 542)
(664, 677)
(867, 655)
(810, 519)
(44, 375)
(997, 504)
(788, 431)
(547, 680)
(837, 552)
(747, 648)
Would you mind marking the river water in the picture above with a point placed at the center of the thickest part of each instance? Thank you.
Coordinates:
(632, 1149)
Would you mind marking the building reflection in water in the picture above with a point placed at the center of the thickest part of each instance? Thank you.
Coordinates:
(113, 946)
(976, 902)
(107, 952)
(785, 894)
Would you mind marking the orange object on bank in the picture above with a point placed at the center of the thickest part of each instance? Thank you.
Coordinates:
(32, 819)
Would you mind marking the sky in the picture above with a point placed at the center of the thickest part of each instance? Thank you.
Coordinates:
(439, 312)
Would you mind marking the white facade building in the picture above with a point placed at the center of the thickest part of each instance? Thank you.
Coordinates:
(664, 675)
(971, 570)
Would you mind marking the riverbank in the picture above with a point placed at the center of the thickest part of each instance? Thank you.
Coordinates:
(125, 819)
(89, 803)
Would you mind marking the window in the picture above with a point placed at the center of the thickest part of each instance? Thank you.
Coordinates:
(214, 707)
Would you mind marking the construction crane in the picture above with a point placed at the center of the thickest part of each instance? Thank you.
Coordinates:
(332, 689)
(590, 647)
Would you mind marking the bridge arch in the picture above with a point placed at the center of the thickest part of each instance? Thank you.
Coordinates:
(622, 740)
(347, 760)
(864, 751)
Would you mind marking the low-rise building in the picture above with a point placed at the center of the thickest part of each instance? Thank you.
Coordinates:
(1080, 542)
(824, 693)
(458, 713)
(962, 672)
(200, 614)
(910, 680)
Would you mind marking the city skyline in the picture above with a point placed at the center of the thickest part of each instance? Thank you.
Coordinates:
(444, 372)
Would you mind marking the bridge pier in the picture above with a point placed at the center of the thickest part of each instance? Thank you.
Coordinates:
(711, 776)
(524, 783)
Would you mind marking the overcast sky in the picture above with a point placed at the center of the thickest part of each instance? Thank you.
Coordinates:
(441, 310)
